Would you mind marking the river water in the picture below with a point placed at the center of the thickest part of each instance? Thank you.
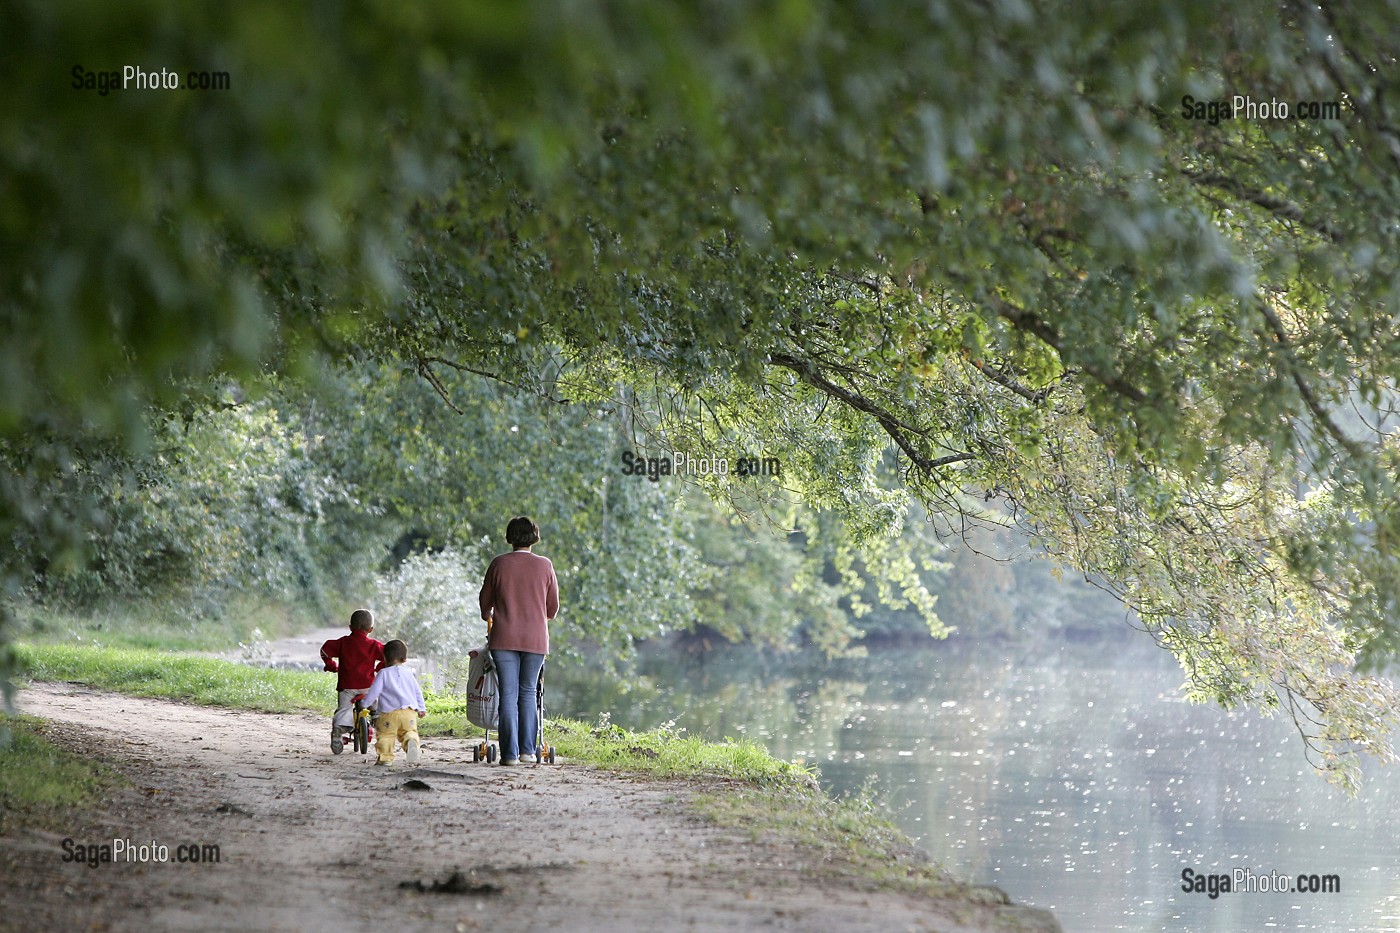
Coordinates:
(1072, 776)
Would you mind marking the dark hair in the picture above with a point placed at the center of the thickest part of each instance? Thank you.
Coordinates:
(521, 532)
(395, 651)
(361, 620)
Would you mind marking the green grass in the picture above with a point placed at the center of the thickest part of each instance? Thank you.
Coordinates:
(666, 753)
(207, 681)
(447, 714)
(41, 782)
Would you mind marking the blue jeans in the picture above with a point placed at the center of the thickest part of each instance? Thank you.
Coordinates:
(518, 674)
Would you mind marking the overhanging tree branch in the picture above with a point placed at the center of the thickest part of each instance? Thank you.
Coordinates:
(1285, 210)
(1034, 396)
(1030, 323)
(424, 365)
(895, 428)
(1305, 390)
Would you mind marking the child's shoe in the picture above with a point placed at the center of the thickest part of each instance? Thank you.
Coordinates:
(410, 750)
(337, 742)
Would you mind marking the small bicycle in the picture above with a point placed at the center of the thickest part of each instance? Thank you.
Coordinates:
(364, 731)
(361, 729)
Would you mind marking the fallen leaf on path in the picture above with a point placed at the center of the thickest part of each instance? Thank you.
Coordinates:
(455, 883)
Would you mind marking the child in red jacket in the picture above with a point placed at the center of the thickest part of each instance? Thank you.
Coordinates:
(360, 657)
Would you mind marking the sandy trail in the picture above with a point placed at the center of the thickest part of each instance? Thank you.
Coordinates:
(309, 841)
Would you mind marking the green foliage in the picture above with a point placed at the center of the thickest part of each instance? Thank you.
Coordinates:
(443, 477)
(995, 587)
(985, 236)
(162, 623)
(431, 599)
(819, 581)
(369, 484)
(635, 558)
(233, 497)
(232, 500)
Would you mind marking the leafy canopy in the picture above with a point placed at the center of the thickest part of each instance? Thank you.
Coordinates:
(988, 234)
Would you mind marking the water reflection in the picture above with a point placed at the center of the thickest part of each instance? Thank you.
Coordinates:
(1073, 777)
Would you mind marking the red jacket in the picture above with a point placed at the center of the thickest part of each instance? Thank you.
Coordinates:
(358, 655)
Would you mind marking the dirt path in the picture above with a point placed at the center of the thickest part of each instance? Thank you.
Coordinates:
(313, 842)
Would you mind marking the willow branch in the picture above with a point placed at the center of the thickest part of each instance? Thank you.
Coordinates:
(892, 426)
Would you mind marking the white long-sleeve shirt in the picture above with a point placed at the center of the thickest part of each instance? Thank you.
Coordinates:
(395, 687)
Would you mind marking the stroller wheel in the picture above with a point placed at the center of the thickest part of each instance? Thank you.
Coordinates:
(490, 754)
(549, 754)
(476, 753)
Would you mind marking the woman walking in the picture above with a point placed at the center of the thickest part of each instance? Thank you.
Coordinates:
(518, 598)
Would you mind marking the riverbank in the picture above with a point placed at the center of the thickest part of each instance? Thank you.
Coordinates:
(618, 850)
(519, 848)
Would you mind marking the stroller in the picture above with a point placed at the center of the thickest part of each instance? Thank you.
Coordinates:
(483, 708)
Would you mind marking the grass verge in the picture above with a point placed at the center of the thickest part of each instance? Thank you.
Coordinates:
(666, 753)
(207, 681)
(40, 781)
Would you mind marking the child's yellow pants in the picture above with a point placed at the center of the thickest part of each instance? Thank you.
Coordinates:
(400, 724)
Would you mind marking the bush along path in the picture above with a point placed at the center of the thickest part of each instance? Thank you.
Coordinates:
(222, 819)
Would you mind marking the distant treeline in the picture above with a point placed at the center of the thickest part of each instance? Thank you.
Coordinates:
(370, 489)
